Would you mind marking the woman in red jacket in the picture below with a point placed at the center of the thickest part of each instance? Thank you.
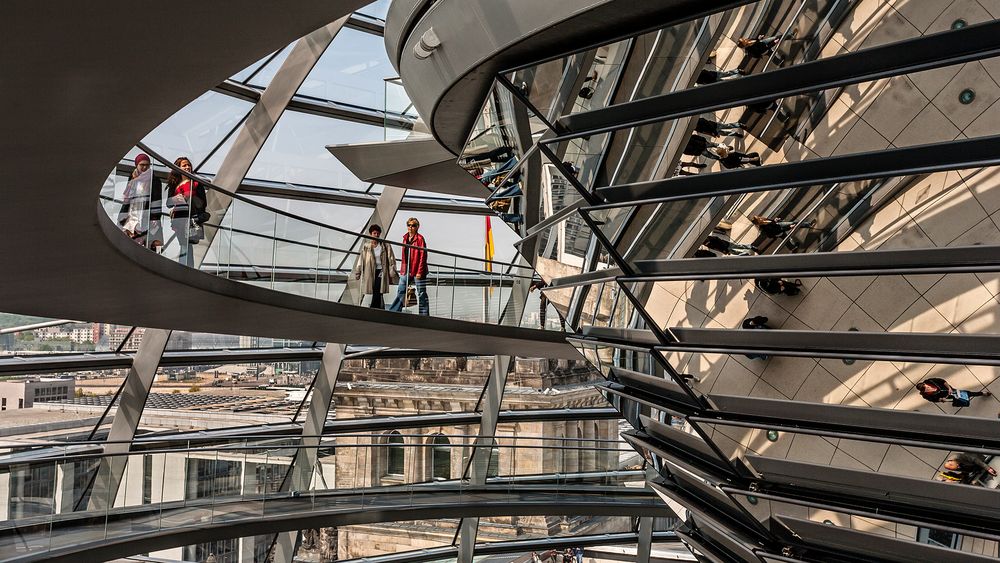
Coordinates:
(413, 269)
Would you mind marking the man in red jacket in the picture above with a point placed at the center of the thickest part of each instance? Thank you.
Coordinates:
(413, 269)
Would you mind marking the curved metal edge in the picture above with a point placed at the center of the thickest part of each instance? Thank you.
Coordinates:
(454, 335)
(111, 548)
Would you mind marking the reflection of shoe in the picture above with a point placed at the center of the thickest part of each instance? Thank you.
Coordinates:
(737, 134)
(987, 393)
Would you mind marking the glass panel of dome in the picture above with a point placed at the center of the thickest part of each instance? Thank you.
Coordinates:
(262, 78)
(198, 127)
(341, 216)
(210, 167)
(183, 340)
(439, 230)
(351, 71)
(296, 152)
(494, 147)
(377, 9)
(251, 70)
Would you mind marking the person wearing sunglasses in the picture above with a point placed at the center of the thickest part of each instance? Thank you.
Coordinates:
(413, 270)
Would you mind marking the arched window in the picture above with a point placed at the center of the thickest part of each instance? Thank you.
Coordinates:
(395, 454)
(493, 469)
(440, 457)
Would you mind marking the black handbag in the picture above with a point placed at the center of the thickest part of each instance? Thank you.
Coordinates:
(196, 232)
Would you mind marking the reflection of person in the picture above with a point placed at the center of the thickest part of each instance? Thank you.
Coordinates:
(718, 128)
(376, 268)
(142, 209)
(937, 390)
(966, 469)
(729, 158)
(773, 227)
(774, 286)
(712, 76)
(187, 202)
(756, 323)
(758, 47)
(700, 146)
(414, 269)
(726, 246)
(543, 303)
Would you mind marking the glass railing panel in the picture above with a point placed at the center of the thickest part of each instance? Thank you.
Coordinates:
(599, 307)
(538, 383)
(186, 484)
(397, 101)
(295, 253)
(336, 256)
(252, 243)
(588, 451)
(184, 340)
(25, 335)
(255, 243)
(372, 540)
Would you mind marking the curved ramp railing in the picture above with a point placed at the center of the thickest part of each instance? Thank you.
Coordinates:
(258, 244)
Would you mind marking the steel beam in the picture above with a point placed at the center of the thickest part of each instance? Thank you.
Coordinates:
(135, 391)
(921, 159)
(482, 450)
(977, 349)
(949, 260)
(300, 473)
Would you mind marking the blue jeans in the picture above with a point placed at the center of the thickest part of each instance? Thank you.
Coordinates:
(423, 303)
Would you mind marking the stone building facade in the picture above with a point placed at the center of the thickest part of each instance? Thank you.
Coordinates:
(399, 387)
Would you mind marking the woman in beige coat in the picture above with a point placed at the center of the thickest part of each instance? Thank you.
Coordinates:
(376, 268)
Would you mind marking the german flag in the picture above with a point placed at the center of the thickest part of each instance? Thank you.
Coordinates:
(489, 250)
